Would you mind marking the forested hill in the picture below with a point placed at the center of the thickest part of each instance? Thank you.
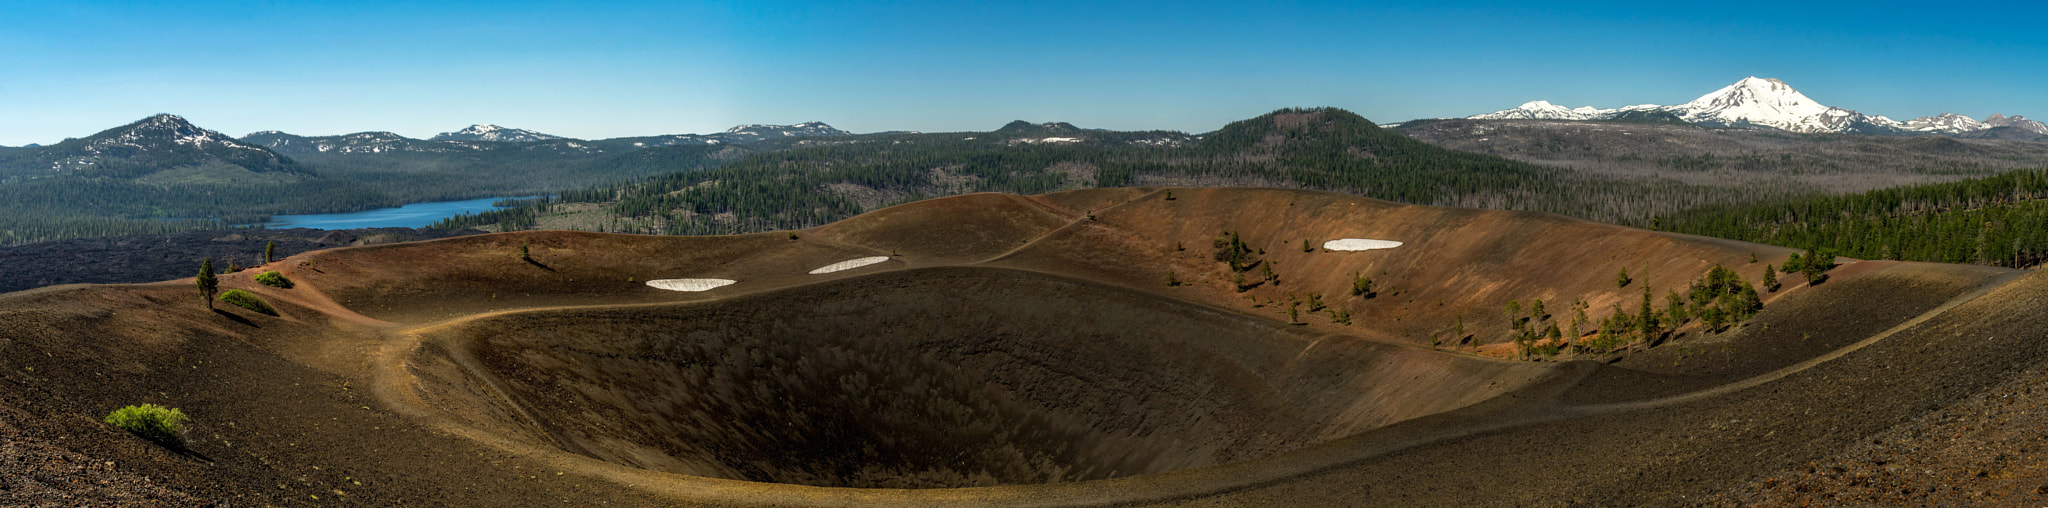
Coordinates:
(1337, 150)
(827, 179)
(2000, 220)
(139, 177)
(148, 146)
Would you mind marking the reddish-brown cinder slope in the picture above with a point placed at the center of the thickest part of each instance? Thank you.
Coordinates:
(1454, 264)
(1010, 350)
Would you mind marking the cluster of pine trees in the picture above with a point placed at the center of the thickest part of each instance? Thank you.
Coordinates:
(1717, 300)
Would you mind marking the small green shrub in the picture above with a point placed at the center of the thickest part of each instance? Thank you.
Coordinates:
(1361, 285)
(150, 421)
(274, 279)
(247, 300)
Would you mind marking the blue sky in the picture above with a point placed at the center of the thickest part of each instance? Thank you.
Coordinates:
(596, 69)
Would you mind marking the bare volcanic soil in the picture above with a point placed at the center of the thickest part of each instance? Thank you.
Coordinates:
(1081, 348)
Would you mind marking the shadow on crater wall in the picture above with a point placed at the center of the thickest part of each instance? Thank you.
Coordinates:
(946, 377)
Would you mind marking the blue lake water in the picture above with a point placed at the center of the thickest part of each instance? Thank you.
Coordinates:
(416, 215)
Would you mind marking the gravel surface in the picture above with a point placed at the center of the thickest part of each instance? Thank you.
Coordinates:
(1984, 451)
(35, 472)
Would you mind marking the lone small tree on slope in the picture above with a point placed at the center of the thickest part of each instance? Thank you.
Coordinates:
(269, 252)
(209, 285)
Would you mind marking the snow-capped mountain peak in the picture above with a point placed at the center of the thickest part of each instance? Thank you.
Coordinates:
(1768, 103)
(164, 127)
(1755, 102)
(488, 132)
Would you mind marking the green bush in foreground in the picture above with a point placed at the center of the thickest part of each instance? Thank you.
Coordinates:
(150, 421)
(247, 300)
(274, 279)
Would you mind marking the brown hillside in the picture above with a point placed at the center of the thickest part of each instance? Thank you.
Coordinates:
(1017, 351)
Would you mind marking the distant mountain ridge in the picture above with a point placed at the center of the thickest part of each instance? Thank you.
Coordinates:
(488, 132)
(2017, 122)
(149, 145)
(743, 134)
(485, 137)
(1769, 103)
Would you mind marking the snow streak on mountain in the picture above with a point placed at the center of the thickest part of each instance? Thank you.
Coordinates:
(488, 132)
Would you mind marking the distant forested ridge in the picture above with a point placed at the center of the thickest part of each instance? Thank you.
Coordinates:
(1999, 220)
(829, 179)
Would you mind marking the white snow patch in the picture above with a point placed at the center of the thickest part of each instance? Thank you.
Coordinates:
(689, 284)
(849, 264)
(1360, 244)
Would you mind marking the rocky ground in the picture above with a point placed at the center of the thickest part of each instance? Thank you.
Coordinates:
(1983, 451)
(36, 472)
(151, 258)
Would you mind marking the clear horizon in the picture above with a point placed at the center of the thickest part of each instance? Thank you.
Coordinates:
(613, 69)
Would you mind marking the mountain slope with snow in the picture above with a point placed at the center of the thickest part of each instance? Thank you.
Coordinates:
(1946, 123)
(1764, 103)
(488, 132)
(737, 135)
(146, 146)
(1544, 110)
(2017, 122)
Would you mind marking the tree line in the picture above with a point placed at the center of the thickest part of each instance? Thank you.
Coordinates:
(1999, 220)
(1322, 149)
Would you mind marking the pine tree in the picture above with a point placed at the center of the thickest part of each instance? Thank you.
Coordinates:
(1815, 269)
(1649, 317)
(1770, 278)
(269, 252)
(1361, 285)
(209, 285)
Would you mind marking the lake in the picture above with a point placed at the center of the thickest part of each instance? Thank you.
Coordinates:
(416, 215)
